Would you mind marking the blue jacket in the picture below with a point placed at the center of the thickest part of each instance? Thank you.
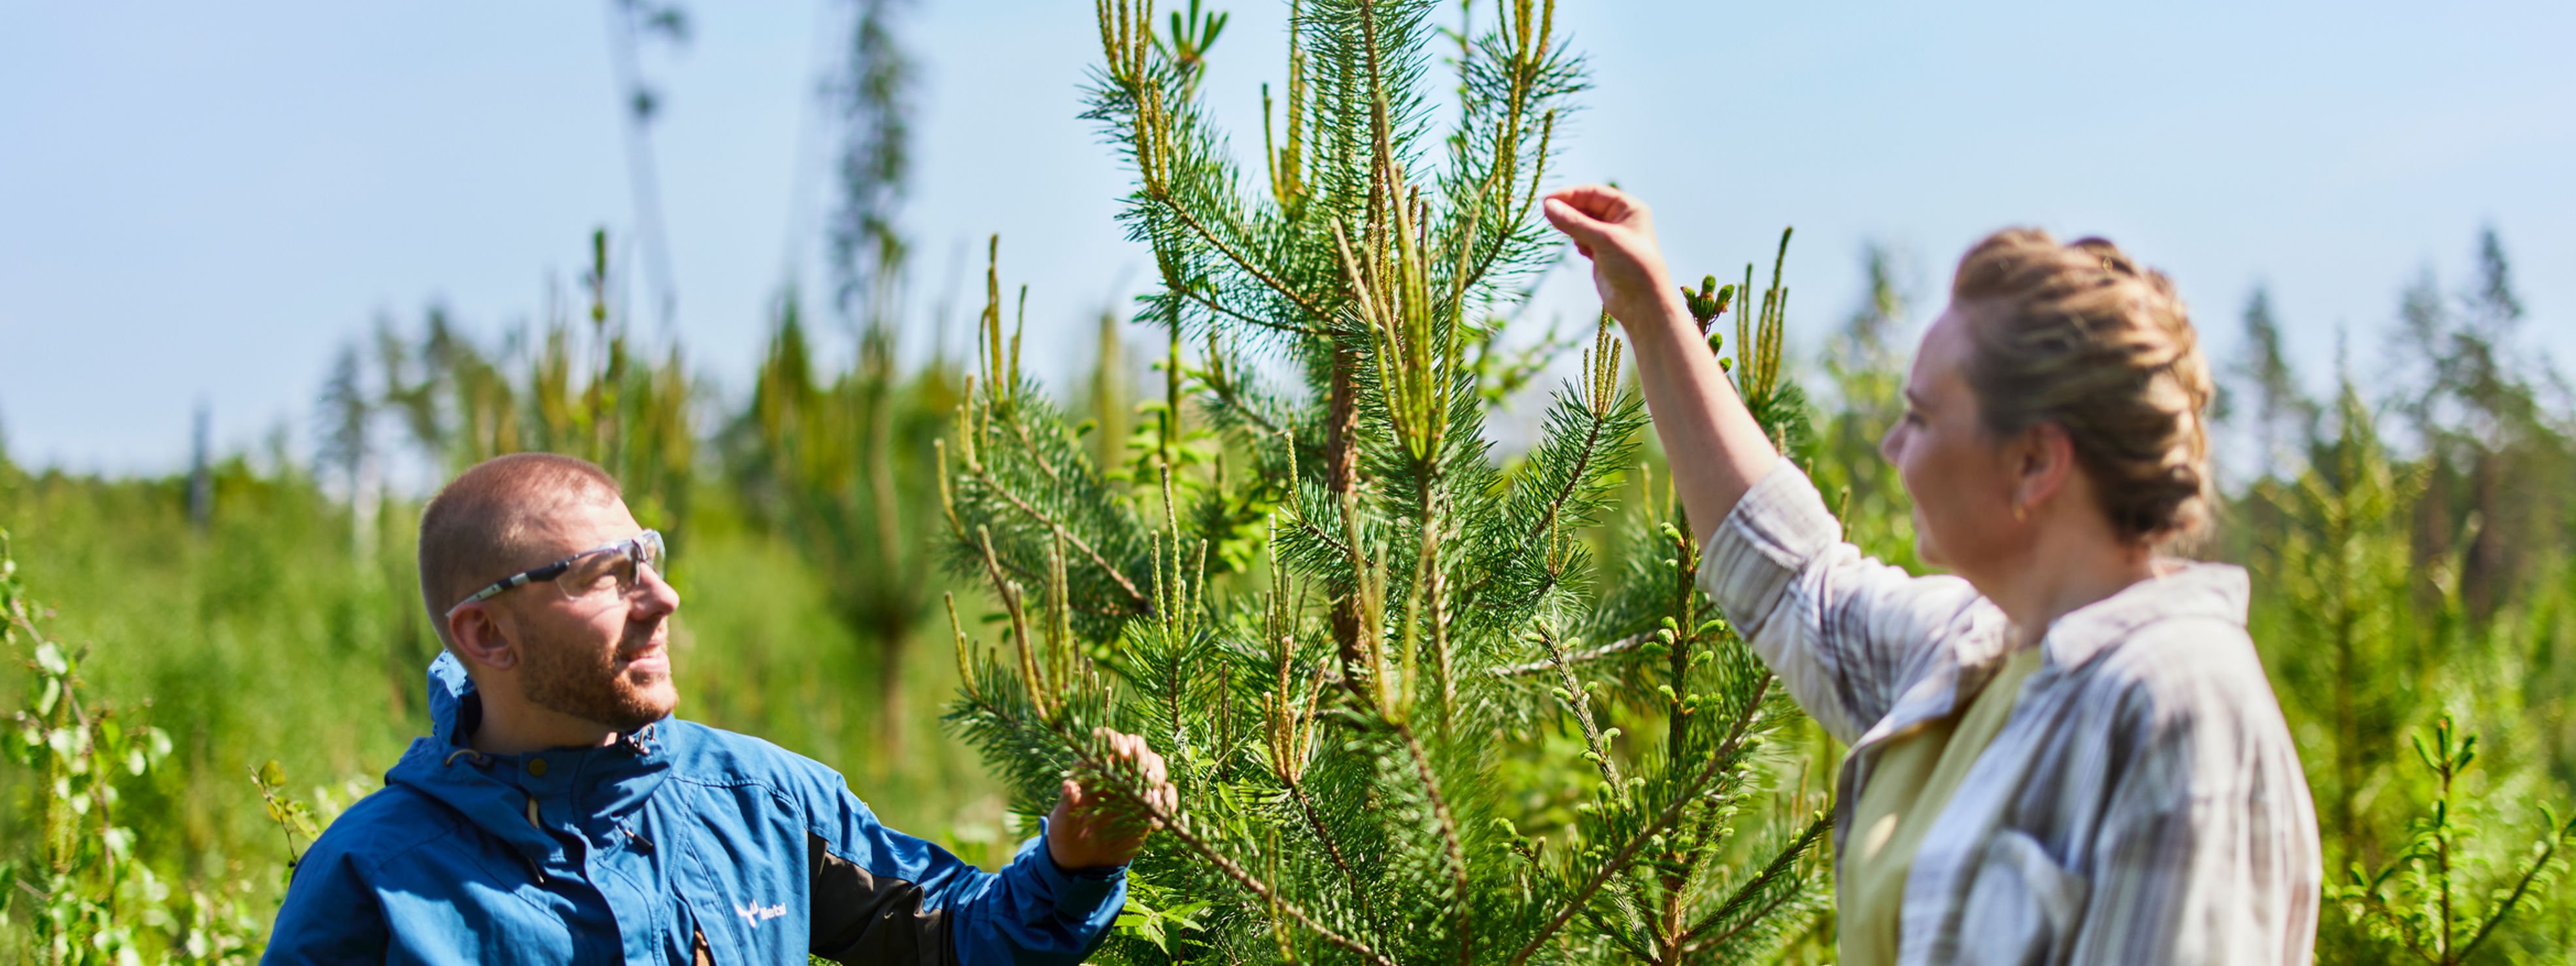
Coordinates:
(678, 844)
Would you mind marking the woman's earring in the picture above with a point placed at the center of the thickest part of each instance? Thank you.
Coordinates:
(2019, 516)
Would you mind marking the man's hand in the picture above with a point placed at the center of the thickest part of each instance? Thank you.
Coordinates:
(1091, 829)
(1616, 232)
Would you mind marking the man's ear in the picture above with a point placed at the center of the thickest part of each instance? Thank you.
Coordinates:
(478, 637)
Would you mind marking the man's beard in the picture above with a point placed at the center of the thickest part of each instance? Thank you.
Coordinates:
(584, 682)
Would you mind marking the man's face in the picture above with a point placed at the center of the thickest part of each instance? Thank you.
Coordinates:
(602, 656)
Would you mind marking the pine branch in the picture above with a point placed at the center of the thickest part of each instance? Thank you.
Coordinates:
(1180, 830)
(1627, 853)
(1781, 870)
(1240, 316)
(1359, 891)
(1587, 655)
(2521, 887)
(1243, 263)
(1456, 855)
(1144, 605)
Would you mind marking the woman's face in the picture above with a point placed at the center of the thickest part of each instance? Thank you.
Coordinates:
(1962, 479)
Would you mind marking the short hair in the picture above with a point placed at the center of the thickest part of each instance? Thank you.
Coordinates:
(477, 529)
(2082, 336)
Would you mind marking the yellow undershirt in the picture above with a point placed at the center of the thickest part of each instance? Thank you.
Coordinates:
(1913, 780)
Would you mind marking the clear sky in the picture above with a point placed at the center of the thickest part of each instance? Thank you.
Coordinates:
(201, 202)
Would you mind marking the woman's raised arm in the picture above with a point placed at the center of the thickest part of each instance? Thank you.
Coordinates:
(1716, 450)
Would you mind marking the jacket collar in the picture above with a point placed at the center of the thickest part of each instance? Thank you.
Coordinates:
(567, 786)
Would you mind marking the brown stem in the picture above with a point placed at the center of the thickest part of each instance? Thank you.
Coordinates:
(1581, 702)
(1341, 476)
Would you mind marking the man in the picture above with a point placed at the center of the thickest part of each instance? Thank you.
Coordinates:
(559, 814)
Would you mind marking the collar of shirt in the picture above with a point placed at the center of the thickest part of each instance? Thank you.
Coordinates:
(2181, 588)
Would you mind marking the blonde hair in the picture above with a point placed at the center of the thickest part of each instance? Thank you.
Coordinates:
(2081, 336)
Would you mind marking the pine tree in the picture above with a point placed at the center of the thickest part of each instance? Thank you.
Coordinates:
(2340, 550)
(1394, 684)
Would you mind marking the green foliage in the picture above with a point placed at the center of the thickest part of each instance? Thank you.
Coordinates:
(1406, 686)
(2345, 554)
(2400, 592)
(1334, 650)
(1865, 371)
(2438, 900)
(840, 468)
(79, 894)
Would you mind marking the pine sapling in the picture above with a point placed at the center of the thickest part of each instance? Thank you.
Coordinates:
(1324, 596)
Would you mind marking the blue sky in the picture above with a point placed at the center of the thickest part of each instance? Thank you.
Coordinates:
(202, 202)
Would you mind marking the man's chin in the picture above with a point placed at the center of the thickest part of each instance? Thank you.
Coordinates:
(654, 702)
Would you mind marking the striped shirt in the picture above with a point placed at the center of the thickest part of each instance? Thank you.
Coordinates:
(2142, 804)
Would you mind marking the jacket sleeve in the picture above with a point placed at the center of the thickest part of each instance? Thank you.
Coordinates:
(1845, 633)
(330, 914)
(881, 896)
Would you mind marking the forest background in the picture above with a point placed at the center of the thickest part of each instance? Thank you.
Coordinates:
(252, 623)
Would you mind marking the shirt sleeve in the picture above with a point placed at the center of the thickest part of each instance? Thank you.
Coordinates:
(330, 915)
(1846, 634)
(881, 896)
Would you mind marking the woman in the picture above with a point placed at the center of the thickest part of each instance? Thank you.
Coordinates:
(2067, 752)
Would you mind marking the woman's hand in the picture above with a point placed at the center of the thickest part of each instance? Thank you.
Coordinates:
(1716, 448)
(1617, 233)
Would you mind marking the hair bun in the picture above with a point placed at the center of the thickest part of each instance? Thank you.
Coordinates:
(2080, 336)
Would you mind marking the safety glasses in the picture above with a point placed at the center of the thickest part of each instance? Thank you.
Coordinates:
(612, 568)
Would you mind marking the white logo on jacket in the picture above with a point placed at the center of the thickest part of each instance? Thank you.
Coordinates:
(757, 914)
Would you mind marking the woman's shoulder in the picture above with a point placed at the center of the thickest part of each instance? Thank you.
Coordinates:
(2175, 651)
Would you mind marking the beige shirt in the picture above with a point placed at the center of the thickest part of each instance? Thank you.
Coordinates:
(1915, 776)
(2142, 802)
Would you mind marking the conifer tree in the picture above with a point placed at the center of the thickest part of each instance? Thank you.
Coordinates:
(1411, 716)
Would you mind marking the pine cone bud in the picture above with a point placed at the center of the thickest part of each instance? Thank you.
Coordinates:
(1709, 302)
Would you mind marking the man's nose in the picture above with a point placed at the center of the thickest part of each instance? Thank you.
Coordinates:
(657, 593)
